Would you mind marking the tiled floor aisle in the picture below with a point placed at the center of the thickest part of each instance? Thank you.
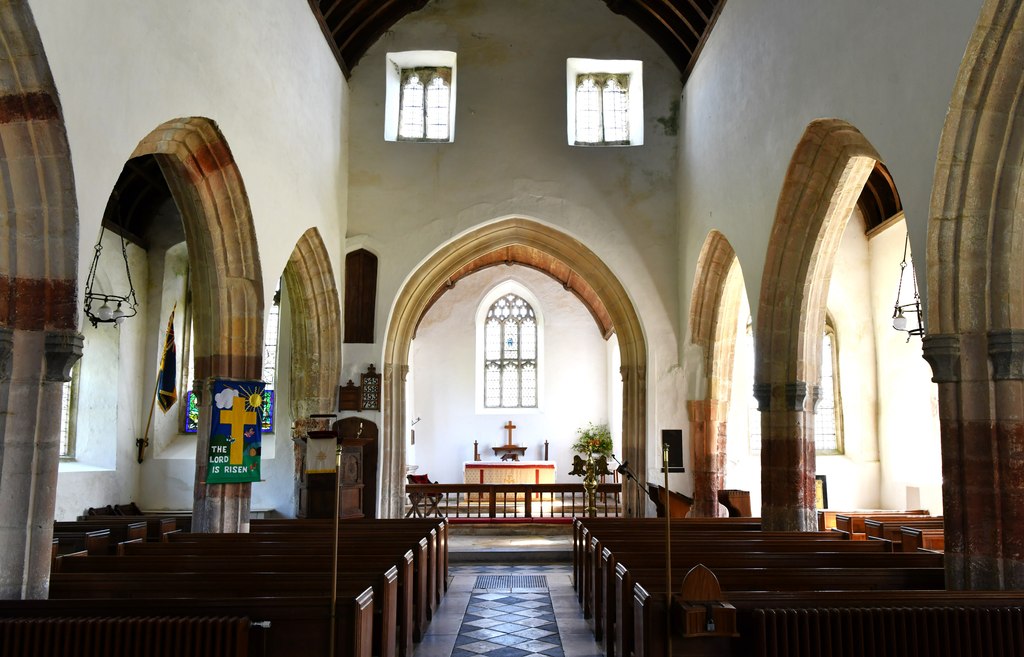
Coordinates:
(504, 622)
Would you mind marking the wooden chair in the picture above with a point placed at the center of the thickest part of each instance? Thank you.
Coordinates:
(423, 505)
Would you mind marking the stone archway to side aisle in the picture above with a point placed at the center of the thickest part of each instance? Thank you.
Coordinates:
(825, 177)
(227, 286)
(417, 294)
(714, 314)
(975, 341)
(38, 311)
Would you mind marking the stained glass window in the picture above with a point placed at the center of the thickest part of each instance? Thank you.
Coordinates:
(602, 108)
(510, 354)
(269, 373)
(191, 412)
(425, 104)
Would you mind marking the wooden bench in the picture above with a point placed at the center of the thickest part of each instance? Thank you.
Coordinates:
(394, 615)
(359, 547)
(913, 539)
(889, 530)
(248, 584)
(827, 517)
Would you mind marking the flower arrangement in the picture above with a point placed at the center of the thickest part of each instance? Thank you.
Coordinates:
(593, 439)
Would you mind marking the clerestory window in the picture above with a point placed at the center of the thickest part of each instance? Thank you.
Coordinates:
(425, 101)
(605, 102)
(602, 109)
(420, 93)
(510, 354)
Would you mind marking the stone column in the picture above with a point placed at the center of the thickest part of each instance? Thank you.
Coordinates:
(33, 367)
(787, 456)
(634, 439)
(1006, 351)
(219, 508)
(708, 437)
(981, 413)
(392, 450)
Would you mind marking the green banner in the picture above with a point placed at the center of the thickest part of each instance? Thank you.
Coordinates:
(235, 444)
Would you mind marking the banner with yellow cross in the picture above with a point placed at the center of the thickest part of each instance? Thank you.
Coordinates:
(235, 432)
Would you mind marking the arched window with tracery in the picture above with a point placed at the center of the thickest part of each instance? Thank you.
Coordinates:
(425, 100)
(828, 425)
(510, 354)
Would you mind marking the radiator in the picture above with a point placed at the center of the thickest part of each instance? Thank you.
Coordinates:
(124, 637)
(881, 632)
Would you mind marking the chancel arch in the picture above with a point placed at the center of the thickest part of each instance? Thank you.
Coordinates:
(824, 179)
(975, 341)
(39, 342)
(541, 247)
(714, 315)
(227, 286)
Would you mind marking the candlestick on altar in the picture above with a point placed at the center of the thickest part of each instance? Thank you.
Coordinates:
(476, 451)
(545, 450)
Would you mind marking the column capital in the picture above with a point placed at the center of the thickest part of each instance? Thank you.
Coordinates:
(942, 351)
(763, 395)
(796, 395)
(61, 351)
(1006, 351)
(6, 352)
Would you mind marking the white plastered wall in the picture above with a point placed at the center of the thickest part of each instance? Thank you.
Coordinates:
(767, 71)
(573, 371)
(262, 71)
(510, 159)
(908, 414)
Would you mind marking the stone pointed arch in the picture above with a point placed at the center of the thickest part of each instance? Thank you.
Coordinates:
(315, 327)
(975, 341)
(38, 309)
(416, 294)
(714, 315)
(227, 285)
(825, 177)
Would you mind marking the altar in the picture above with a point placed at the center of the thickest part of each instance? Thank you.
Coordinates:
(509, 472)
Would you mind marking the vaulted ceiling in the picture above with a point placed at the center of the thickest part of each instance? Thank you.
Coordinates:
(679, 27)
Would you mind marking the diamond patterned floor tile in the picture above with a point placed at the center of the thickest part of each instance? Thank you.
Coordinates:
(509, 624)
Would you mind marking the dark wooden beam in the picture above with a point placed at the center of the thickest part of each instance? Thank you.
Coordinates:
(330, 39)
(704, 39)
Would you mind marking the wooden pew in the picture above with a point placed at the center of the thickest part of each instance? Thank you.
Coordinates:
(913, 539)
(246, 584)
(827, 517)
(351, 545)
(124, 530)
(889, 530)
(96, 541)
(609, 596)
(386, 596)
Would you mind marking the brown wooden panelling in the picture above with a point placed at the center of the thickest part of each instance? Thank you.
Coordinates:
(360, 295)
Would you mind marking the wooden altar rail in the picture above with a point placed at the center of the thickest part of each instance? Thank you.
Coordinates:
(509, 501)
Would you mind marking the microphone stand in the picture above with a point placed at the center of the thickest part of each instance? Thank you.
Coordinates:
(624, 469)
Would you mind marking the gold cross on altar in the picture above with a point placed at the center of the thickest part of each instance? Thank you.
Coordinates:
(510, 427)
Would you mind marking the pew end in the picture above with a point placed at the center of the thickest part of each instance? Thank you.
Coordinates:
(701, 610)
